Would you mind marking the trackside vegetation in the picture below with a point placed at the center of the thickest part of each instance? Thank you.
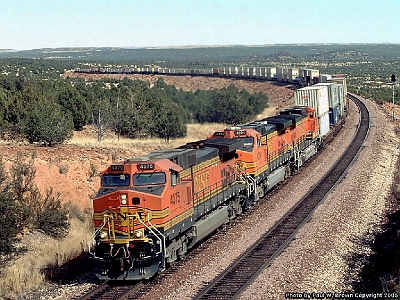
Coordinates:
(48, 111)
(23, 207)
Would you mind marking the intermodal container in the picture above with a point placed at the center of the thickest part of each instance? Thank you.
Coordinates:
(258, 73)
(324, 125)
(332, 93)
(252, 72)
(280, 74)
(234, 71)
(334, 115)
(313, 74)
(292, 74)
(245, 72)
(226, 71)
(341, 99)
(263, 73)
(342, 81)
(324, 77)
(271, 72)
(315, 97)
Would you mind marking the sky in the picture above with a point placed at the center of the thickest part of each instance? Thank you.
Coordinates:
(34, 24)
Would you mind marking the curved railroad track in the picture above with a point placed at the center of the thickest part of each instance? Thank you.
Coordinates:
(112, 291)
(245, 269)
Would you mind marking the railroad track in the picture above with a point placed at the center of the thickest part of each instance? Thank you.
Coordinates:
(113, 291)
(245, 269)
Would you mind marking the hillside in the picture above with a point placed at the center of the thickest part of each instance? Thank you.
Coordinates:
(69, 168)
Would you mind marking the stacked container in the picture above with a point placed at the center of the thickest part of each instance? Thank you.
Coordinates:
(317, 98)
(243, 72)
(292, 74)
(313, 74)
(264, 72)
(334, 109)
(324, 78)
(224, 71)
(342, 100)
(341, 97)
(252, 72)
(258, 73)
(271, 73)
(280, 74)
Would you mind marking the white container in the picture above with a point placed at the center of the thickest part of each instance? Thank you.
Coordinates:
(315, 75)
(315, 97)
(245, 72)
(252, 72)
(342, 81)
(263, 73)
(258, 72)
(242, 72)
(325, 77)
(332, 93)
(324, 125)
(271, 72)
(292, 74)
(227, 71)
(312, 73)
(234, 71)
(342, 102)
(280, 72)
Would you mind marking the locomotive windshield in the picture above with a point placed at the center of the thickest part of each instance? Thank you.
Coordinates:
(248, 141)
(149, 178)
(115, 180)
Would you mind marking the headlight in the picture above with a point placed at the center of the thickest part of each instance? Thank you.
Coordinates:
(124, 199)
(103, 235)
(138, 234)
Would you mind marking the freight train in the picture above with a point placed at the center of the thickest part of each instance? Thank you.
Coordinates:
(152, 209)
(300, 76)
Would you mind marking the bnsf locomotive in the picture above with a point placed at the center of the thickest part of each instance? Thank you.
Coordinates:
(154, 208)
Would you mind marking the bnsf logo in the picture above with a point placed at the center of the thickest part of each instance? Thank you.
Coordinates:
(201, 181)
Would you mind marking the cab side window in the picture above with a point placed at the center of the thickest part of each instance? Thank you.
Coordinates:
(175, 179)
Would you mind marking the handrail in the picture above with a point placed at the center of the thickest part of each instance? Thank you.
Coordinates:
(162, 242)
(93, 238)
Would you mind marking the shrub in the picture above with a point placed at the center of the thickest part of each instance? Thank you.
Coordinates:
(23, 206)
(46, 123)
(51, 216)
(11, 222)
(93, 171)
(63, 169)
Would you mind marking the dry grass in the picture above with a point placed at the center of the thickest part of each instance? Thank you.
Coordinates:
(25, 273)
(88, 139)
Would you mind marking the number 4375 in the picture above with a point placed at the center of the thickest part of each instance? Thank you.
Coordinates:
(175, 198)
